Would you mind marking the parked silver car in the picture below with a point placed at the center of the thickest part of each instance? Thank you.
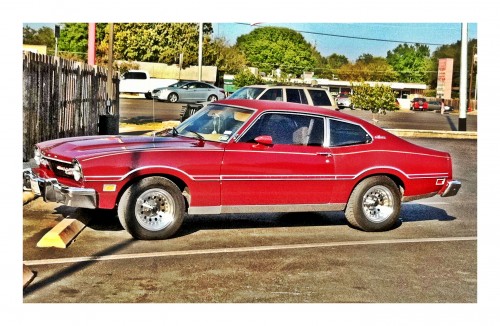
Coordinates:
(436, 106)
(189, 91)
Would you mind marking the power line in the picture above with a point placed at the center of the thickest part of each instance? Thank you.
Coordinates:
(356, 37)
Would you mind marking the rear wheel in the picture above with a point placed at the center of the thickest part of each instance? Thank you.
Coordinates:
(374, 204)
(212, 98)
(173, 97)
(151, 209)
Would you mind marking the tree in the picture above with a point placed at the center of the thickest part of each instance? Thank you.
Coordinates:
(335, 61)
(228, 59)
(148, 42)
(245, 78)
(377, 99)
(411, 62)
(367, 68)
(269, 48)
(43, 36)
(151, 42)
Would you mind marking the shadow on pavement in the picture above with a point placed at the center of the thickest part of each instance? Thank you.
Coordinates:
(105, 220)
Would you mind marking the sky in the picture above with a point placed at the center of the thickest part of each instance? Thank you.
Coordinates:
(350, 39)
(355, 39)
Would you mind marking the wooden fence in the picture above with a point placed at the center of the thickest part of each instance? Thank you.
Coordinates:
(63, 98)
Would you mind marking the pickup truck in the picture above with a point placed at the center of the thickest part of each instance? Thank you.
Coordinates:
(139, 81)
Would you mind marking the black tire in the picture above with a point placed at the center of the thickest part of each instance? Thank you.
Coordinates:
(152, 209)
(374, 204)
(212, 98)
(148, 95)
(173, 98)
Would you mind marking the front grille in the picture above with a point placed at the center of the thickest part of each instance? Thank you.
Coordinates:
(59, 168)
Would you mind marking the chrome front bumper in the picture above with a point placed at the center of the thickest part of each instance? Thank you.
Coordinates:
(451, 188)
(52, 191)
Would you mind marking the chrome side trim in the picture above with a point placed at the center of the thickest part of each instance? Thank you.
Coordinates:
(209, 210)
(406, 199)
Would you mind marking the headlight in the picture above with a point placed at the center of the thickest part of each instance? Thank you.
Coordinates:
(77, 171)
(38, 156)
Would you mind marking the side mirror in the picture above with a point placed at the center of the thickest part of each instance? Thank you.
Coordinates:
(264, 140)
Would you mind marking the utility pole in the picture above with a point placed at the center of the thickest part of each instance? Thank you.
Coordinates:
(109, 84)
(91, 46)
(200, 48)
(462, 116)
(57, 31)
(471, 74)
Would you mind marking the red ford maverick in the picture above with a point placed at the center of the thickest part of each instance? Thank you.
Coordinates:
(243, 156)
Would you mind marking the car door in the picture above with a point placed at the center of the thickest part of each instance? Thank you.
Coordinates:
(293, 169)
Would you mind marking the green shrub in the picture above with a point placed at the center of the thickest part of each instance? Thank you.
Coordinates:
(378, 98)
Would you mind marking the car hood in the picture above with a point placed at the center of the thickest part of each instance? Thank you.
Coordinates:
(67, 149)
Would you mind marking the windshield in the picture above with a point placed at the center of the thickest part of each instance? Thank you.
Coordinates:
(179, 84)
(214, 122)
(247, 93)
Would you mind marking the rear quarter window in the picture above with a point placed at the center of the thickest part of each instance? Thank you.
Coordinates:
(320, 97)
(345, 134)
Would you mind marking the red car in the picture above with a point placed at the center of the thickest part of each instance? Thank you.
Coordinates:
(420, 104)
(243, 156)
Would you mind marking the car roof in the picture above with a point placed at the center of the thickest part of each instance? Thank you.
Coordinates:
(285, 86)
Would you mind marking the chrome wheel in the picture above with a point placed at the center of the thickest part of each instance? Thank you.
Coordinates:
(378, 204)
(155, 209)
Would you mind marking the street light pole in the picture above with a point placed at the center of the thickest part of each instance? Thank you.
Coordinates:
(470, 78)
(462, 116)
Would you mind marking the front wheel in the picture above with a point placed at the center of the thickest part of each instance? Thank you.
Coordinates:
(173, 98)
(374, 204)
(151, 209)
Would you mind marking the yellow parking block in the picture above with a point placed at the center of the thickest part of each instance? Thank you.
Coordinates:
(63, 233)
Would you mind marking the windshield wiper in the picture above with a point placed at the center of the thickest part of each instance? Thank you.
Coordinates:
(200, 137)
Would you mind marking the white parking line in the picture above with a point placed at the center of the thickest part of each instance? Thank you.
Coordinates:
(241, 249)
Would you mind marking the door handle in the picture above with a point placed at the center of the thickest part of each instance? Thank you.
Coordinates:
(326, 154)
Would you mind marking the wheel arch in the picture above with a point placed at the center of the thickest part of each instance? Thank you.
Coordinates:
(395, 176)
(178, 181)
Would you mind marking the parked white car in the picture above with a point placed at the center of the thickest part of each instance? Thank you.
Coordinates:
(140, 82)
(316, 96)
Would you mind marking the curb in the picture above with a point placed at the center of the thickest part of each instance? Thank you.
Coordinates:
(433, 134)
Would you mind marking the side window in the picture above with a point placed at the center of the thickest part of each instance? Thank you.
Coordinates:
(134, 75)
(273, 94)
(320, 97)
(288, 129)
(344, 134)
(296, 95)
